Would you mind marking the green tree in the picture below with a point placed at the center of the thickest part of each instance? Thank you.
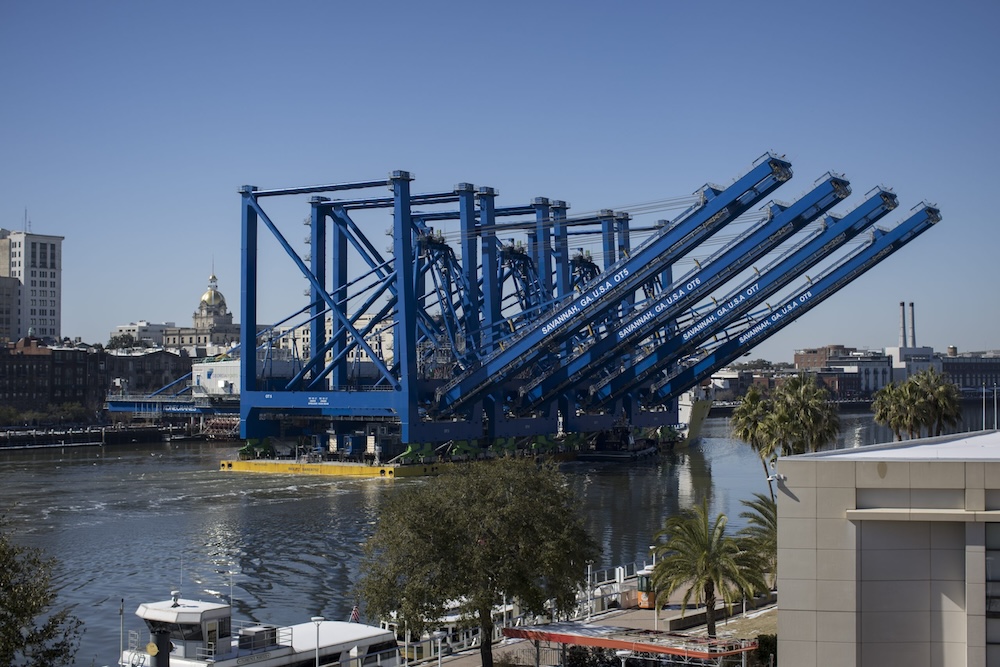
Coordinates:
(925, 404)
(475, 536)
(749, 424)
(888, 408)
(121, 342)
(806, 405)
(33, 632)
(942, 401)
(761, 532)
(698, 556)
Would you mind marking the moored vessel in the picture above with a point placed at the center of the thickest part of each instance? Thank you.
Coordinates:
(190, 633)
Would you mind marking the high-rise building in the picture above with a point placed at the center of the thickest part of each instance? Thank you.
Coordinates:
(35, 260)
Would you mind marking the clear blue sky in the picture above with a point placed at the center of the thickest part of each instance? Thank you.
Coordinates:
(128, 127)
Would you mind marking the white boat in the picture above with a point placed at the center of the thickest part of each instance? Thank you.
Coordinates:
(189, 633)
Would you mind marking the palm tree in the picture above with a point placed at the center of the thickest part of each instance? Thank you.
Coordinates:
(925, 401)
(698, 555)
(748, 423)
(807, 406)
(941, 401)
(888, 409)
(761, 532)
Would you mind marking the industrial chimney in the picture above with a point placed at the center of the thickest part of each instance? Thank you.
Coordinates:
(902, 324)
(913, 327)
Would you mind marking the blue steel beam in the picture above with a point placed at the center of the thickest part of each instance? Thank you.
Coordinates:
(253, 400)
(781, 224)
(742, 299)
(405, 333)
(472, 305)
(883, 244)
(624, 277)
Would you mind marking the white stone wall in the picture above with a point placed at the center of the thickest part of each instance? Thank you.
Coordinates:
(883, 562)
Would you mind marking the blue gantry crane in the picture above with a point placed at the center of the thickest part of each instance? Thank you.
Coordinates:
(479, 323)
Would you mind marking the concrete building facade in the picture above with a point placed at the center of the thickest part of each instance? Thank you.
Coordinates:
(35, 260)
(886, 554)
(147, 333)
(35, 376)
(297, 341)
(10, 296)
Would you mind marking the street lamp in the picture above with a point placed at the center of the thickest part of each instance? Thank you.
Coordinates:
(624, 654)
(439, 635)
(590, 591)
(317, 620)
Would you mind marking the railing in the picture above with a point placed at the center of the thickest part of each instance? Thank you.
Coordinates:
(609, 588)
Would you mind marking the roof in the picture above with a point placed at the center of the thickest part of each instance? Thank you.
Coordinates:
(181, 611)
(332, 633)
(974, 446)
(629, 639)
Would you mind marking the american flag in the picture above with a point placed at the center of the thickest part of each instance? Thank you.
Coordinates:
(355, 615)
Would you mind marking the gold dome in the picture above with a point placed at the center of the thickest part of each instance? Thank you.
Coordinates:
(212, 297)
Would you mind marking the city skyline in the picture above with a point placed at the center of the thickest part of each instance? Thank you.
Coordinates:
(129, 130)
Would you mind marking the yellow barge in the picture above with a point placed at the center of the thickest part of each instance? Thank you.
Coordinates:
(331, 468)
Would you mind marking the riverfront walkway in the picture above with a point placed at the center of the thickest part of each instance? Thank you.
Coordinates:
(638, 619)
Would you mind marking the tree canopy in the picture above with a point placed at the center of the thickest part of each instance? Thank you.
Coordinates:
(925, 404)
(810, 419)
(33, 632)
(696, 555)
(749, 423)
(761, 532)
(797, 418)
(123, 341)
(477, 535)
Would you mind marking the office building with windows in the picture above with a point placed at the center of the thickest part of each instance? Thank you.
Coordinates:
(35, 260)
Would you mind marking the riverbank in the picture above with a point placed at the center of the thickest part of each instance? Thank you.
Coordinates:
(89, 436)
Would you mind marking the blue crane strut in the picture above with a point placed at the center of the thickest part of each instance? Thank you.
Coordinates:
(882, 244)
(742, 299)
(782, 222)
(621, 279)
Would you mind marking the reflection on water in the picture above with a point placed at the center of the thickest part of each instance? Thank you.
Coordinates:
(134, 522)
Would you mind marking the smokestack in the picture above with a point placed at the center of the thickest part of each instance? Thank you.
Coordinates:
(913, 327)
(902, 324)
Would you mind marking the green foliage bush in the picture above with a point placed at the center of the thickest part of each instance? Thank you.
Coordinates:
(767, 646)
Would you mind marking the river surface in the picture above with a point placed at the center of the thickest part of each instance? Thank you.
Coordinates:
(133, 522)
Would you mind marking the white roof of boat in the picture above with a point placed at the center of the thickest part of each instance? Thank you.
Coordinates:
(181, 611)
(332, 633)
(974, 446)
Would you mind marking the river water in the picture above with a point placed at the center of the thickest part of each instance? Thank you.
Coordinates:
(135, 521)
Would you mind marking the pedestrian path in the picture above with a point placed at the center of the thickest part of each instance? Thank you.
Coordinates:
(638, 619)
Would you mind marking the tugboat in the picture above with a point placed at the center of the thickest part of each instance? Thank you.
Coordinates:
(189, 633)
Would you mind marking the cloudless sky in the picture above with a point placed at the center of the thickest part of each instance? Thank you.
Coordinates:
(128, 128)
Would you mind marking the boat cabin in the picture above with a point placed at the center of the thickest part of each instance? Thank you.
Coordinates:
(196, 629)
(189, 633)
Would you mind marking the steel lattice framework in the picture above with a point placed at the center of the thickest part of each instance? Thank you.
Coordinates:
(508, 332)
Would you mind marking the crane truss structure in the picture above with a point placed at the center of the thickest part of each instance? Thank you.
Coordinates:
(499, 330)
